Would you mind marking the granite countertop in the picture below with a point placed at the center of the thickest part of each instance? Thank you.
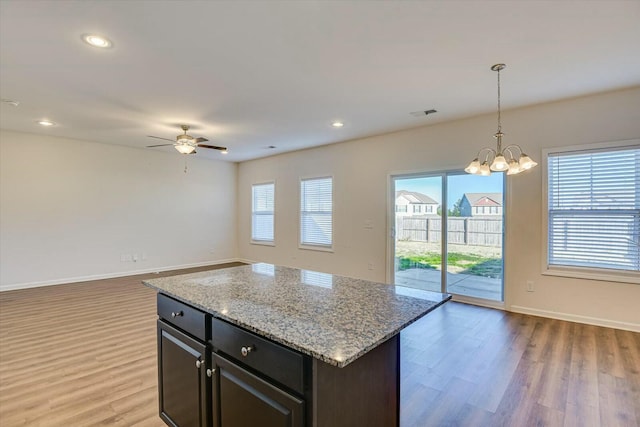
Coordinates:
(333, 318)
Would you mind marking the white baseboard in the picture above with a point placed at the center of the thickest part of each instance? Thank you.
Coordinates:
(627, 326)
(15, 286)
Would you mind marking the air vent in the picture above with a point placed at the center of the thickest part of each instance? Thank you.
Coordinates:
(423, 113)
(10, 102)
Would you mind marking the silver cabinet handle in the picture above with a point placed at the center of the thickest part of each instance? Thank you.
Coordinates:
(199, 363)
(210, 372)
(177, 313)
(246, 350)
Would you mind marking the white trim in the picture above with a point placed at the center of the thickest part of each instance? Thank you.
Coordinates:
(621, 276)
(390, 230)
(26, 285)
(498, 305)
(321, 248)
(567, 271)
(263, 242)
(627, 326)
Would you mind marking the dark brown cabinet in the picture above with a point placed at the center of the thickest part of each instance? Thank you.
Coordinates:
(182, 379)
(241, 399)
(199, 387)
(214, 373)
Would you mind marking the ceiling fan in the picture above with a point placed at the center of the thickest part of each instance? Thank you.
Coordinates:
(186, 144)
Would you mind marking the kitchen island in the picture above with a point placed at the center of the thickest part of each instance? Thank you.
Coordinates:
(275, 346)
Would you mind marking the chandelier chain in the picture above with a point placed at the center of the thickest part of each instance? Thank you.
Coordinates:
(499, 121)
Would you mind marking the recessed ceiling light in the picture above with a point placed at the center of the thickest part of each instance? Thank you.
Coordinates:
(96, 40)
(225, 151)
(46, 122)
(337, 124)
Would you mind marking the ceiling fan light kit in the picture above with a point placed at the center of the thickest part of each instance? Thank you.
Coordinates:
(510, 159)
(186, 144)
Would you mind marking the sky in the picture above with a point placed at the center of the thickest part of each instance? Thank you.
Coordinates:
(458, 185)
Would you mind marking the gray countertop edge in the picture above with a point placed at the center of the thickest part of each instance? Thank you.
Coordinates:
(279, 340)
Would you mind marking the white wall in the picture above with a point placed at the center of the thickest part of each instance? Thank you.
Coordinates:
(69, 209)
(361, 170)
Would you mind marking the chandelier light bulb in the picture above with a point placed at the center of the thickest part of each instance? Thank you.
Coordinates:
(484, 169)
(474, 167)
(499, 164)
(526, 162)
(514, 167)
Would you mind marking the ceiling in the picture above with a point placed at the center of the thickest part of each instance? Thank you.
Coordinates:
(249, 75)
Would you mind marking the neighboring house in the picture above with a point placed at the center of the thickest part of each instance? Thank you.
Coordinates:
(413, 203)
(481, 204)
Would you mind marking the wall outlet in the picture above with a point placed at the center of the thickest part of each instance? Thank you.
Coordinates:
(370, 265)
(368, 224)
(530, 286)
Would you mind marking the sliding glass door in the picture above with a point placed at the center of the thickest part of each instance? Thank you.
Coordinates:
(448, 233)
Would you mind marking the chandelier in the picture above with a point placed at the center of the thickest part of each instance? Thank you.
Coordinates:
(510, 158)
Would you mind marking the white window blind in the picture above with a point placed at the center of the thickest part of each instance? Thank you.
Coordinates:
(594, 209)
(316, 211)
(262, 212)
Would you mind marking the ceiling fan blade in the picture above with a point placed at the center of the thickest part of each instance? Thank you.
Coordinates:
(198, 140)
(213, 146)
(159, 145)
(157, 137)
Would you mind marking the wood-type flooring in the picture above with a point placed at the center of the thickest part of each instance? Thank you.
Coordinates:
(84, 354)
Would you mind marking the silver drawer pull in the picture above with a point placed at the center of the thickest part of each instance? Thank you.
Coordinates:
(199, 363)
(177, 314)
(246, 350)
(210, 372)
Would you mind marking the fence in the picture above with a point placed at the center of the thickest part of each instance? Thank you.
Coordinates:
(461, 230)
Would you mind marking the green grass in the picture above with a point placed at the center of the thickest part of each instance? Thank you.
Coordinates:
(475, 265)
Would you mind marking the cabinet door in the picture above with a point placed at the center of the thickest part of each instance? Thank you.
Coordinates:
(182, 380)
(241, 399)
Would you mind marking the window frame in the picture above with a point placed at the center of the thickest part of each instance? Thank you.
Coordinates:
(601, 274)
(311, 246)
(264, 242)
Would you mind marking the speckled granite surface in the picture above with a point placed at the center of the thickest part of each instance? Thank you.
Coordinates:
(332, 318)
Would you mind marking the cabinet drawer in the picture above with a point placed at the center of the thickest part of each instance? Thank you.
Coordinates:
(185, 317)
(273, 360)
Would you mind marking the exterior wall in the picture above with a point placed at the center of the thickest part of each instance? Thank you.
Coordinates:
(465, 207)
(361, 185)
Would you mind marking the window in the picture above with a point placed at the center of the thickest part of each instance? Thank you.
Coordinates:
(316, 212)
(593, 210)
(417, 208)
(262, 212)
(401, 208)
